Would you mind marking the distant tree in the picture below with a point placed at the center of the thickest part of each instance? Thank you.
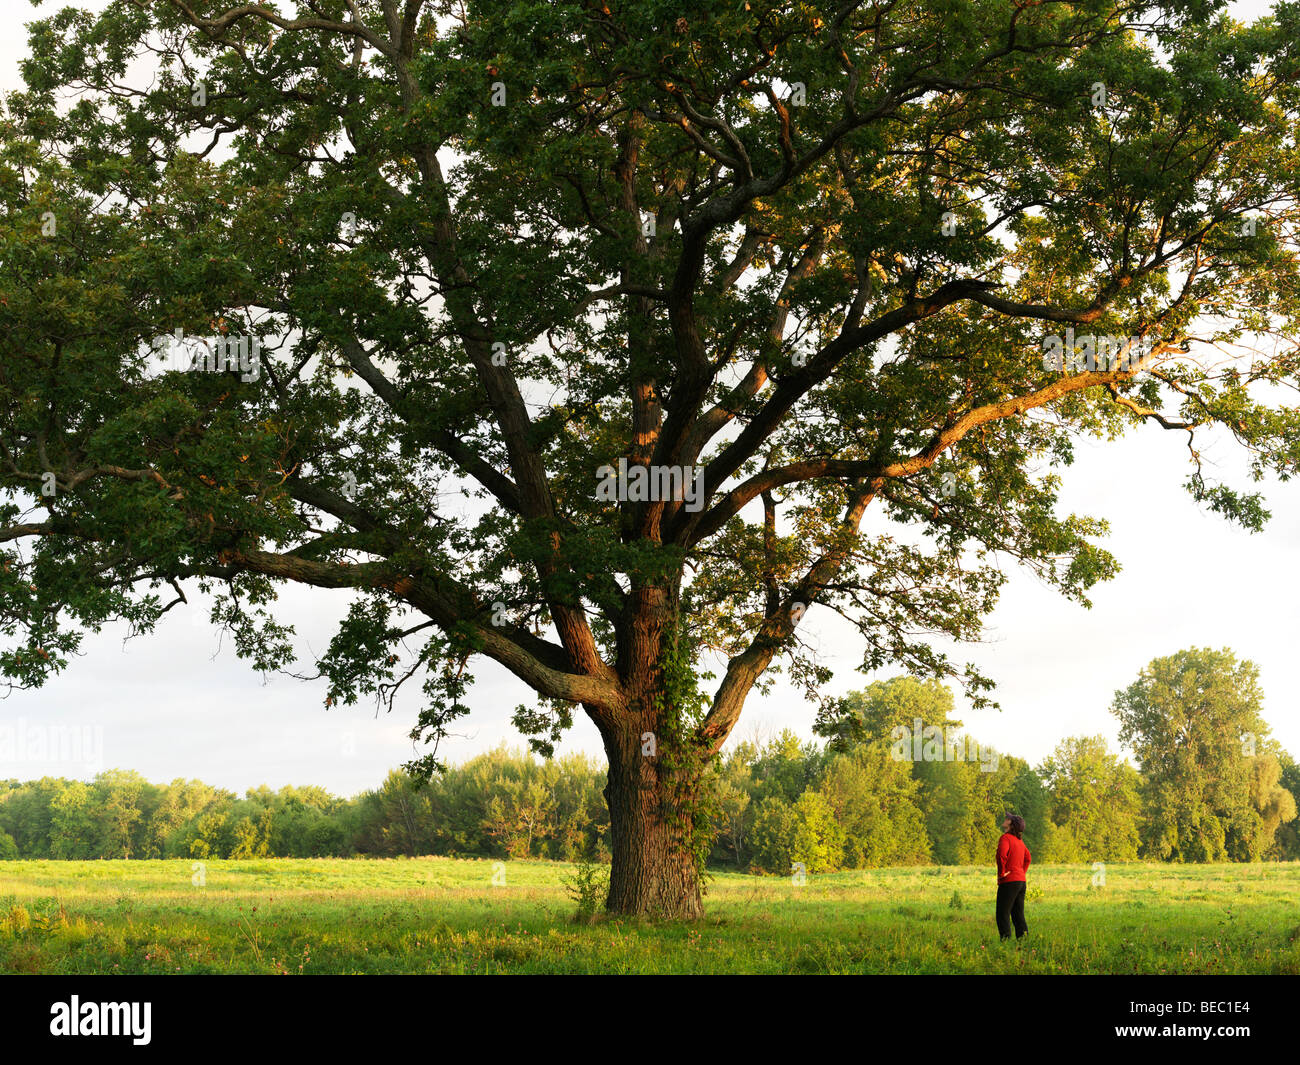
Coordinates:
(294, 819)
(873, 713)
(803, 832)
(818, 839)
(875, 800)
(1026, 794)
(1096, 805)
(1193, 720)
(178, 803)
(326, 837)
(252, 839)
(1287, 844)
(26, 813)
(786, 767)
(397, 820)
(962, 810)
(733, 788)
(210, 835)
(1274, 803)
(581, 826)
(74, 827)
(120, 797)
(772, 835)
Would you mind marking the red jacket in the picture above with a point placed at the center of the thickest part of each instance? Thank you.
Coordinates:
(1013, 859)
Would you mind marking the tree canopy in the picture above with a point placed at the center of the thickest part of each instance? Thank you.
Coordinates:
(607, 341)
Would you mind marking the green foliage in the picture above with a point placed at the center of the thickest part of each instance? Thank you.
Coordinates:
(1194, 721)
(1287, 843)
(804, 832)
(877, 801)
(685, 764)
(786, 767)
(875, 712)
(1273, 802)
(772, 835)
(1096, 805)
(587, 886)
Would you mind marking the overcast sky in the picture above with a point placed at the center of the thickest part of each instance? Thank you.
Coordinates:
(178, 704)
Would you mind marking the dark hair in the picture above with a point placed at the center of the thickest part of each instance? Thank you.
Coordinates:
(1017, 825)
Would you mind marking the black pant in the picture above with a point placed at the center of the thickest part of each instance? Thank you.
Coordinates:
(1011, 907)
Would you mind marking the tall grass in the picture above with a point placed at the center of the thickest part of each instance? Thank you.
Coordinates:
(443, 915)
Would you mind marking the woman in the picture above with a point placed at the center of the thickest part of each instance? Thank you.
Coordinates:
(1013, 860)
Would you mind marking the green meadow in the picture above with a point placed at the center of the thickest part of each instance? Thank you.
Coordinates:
(444, 915)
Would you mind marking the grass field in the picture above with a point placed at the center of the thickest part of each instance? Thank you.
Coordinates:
(442, 915)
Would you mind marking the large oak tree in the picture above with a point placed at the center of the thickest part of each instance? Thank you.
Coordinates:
(811, 251)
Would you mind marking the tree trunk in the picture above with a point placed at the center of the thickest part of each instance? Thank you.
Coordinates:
(654, 775)
(653, 872)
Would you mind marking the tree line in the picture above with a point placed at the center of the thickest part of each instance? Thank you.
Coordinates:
(897, 782)
(891, 780)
